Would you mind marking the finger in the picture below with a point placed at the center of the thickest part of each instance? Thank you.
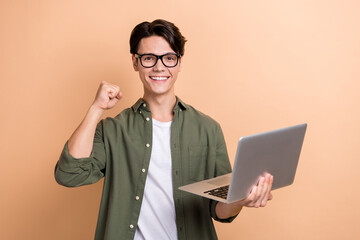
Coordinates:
(116, 88)
(264, 194)
(119, 95)
(250, 200)
(264, 182)
(259, 193)
(268, 193)
(270, 197)
(112, 103)
(112, 91)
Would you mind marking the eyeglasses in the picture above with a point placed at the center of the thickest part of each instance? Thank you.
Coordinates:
(149, 60)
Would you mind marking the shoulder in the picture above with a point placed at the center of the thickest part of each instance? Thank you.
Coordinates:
(201, 118)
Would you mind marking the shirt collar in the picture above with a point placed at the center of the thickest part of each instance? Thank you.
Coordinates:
(179, 104)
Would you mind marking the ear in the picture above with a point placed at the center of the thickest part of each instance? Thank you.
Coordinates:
(180, 62)
(135, 63)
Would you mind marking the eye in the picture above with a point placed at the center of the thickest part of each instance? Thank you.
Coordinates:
(148, 58)
(171, 57)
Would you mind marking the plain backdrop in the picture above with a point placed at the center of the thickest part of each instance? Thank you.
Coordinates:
(251, 65)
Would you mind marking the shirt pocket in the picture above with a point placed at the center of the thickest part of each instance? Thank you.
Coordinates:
(198, 156)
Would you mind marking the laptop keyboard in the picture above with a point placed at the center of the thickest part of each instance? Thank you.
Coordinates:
(220, 192)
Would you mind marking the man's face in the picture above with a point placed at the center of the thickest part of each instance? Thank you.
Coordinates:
(159, 79)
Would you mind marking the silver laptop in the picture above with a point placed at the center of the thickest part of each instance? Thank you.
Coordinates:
(276, 152)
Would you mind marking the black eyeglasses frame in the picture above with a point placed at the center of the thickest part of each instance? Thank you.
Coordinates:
(139, 56)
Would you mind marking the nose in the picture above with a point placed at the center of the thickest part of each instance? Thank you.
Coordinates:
(159, 66)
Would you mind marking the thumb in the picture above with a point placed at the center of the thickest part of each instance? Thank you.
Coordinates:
(119, 95)
(112, 102)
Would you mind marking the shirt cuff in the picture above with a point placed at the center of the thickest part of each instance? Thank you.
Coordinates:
(215, 217)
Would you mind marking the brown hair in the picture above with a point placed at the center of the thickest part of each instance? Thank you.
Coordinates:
(161, 28)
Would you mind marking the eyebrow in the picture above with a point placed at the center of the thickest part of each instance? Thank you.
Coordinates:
(156, 54)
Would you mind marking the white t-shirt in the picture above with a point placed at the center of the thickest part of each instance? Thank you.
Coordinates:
(157, 219)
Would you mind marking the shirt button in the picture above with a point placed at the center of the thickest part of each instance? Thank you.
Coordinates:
(131, 226)
(147, 145)
(140, 112)
(144, 105)
(147, 119)
(143, 170)
(180, 110)
(137, 197)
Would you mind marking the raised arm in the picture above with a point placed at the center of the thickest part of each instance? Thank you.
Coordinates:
(80, 143)
(83, 158)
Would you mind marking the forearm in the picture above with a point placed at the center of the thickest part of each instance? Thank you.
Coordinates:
(80, 143)
(224, 210)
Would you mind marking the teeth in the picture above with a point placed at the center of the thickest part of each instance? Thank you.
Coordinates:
(159, 78)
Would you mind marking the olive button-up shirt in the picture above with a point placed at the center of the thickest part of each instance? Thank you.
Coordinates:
(121, 153)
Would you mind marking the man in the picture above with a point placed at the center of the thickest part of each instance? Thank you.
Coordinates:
(149, 150)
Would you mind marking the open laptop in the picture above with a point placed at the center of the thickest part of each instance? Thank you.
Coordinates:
(276, 152)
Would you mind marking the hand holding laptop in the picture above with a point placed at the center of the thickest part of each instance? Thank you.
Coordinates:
(259, 196)
(260, 193)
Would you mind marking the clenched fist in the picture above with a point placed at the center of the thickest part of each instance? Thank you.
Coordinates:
(107, 96)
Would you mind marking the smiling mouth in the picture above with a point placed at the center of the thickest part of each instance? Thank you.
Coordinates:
(159, 78)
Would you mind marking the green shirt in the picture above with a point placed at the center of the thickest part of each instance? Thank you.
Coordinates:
(121, 153)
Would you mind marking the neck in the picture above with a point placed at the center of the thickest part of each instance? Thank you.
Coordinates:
(161, 107)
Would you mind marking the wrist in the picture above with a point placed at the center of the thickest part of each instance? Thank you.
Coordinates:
(224, 210)
(95, 111)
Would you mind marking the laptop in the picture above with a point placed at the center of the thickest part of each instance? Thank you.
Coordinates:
(276, 152)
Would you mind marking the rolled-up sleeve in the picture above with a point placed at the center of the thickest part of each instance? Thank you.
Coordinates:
(73, 172)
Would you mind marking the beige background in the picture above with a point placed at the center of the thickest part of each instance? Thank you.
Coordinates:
(251, 65)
